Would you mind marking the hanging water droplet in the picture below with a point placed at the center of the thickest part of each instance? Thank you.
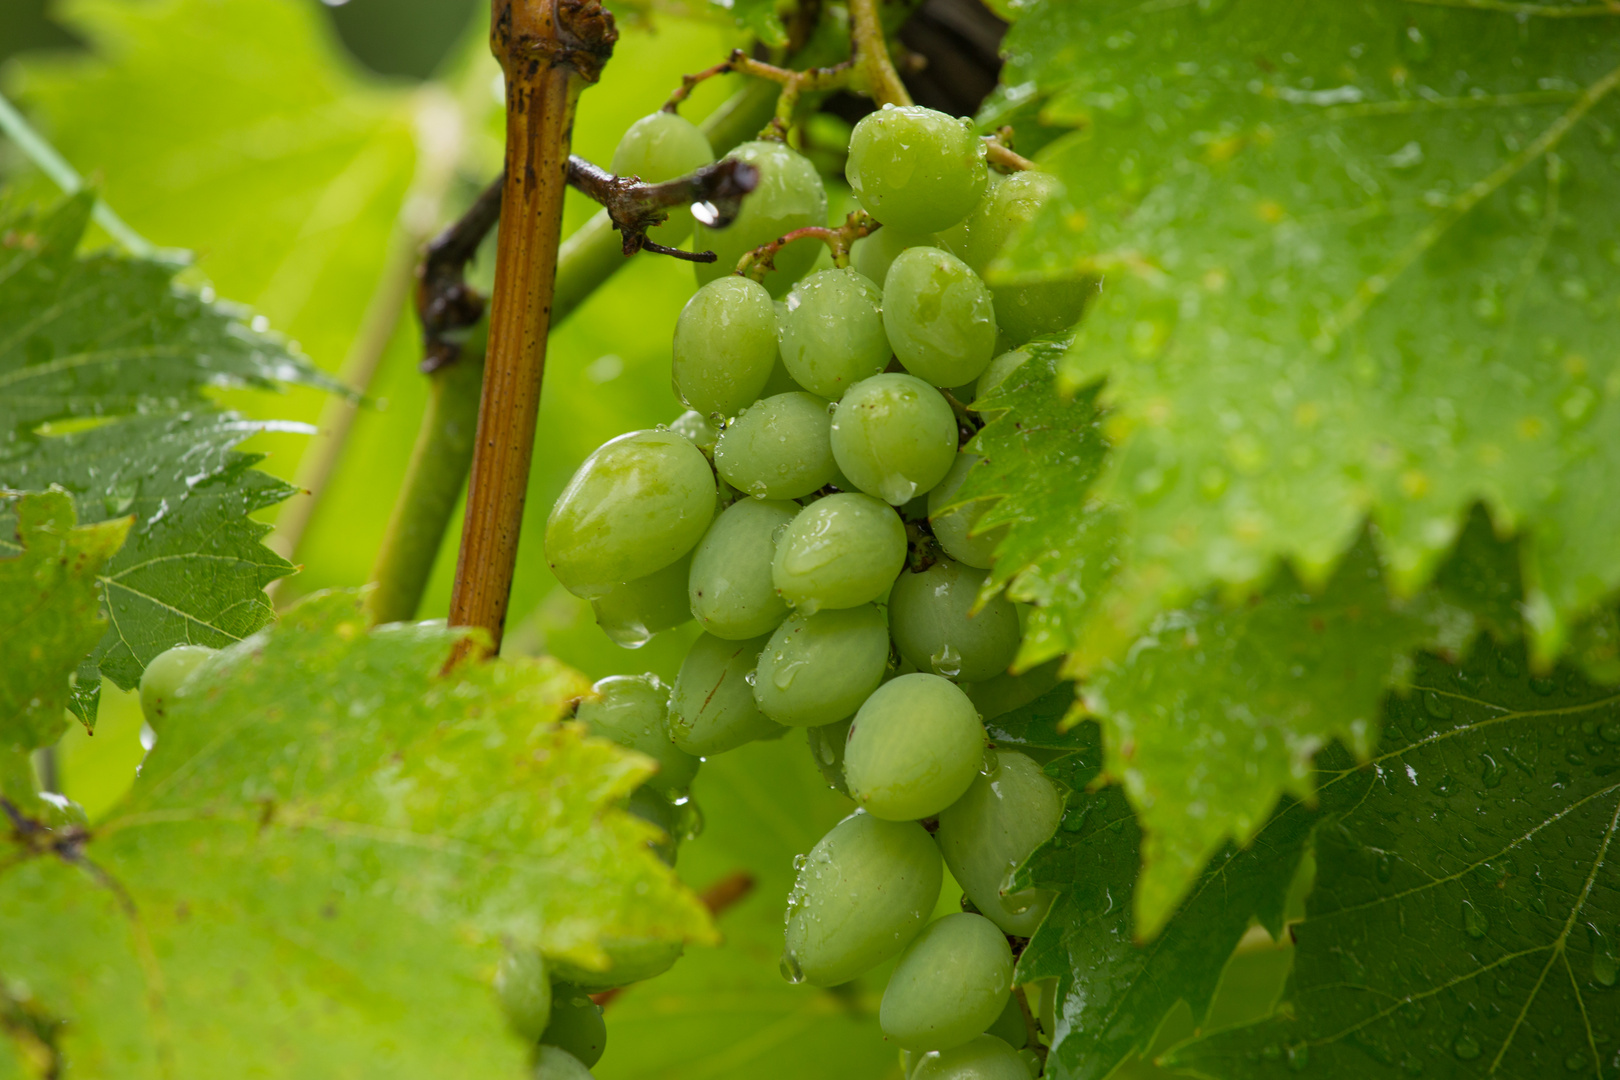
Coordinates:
(1466, 1047)
(790, 969)
(946, 662)
(752, 678)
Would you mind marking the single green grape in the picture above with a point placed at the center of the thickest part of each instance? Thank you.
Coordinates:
(914, 748)
(730, 589)
(841, 551)
(778, 448)
(916, 168)
(894, 436)
(998, 823)
(861, 894)
(1011, 1027)
(872, 255)
(632, 612)
(949, 985)
(997, 373)
(939, 316)
(629, 960)
(954, 525)
(712, 709)
(827, 750)
(1006, 692)
(662, 147)
(1007, 208)
(163, 677)
(830, 331)
(636, 505)
(576, 1024)
(935, 627)
(789, 196)
(633, 711)
(524, 988)
(817, 669)
(725, 346)
(555, 1063)
(697, 427)
(982, 1058)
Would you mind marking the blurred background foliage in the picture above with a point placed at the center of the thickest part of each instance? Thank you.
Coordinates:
(302, 152)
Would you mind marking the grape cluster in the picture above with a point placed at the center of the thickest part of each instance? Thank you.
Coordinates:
(802, 512)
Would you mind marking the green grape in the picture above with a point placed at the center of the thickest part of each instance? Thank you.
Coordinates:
(712, 709)
(662, 147)
(1006, 692)
(657, 811)
(789, 196)
(1011, 1027)
(949, 985)
(631, 613)
(827, 749)
(639, 503)
(725, 346)
(914, 748)
(839, 552)
(831, 333)
(1033, 1065)
(871, 256)
(916, 168)
(778, 448)
(894, 436)
(817, 669)
(998, 371)
(554, 1063)
(576, 1024)
(862, 893)
(932, 619)
(984, 1057)
(1022, 311)
(524, 989)
(730, 588)
(1001, 819)
(939, 316)
(629, 960)
(953, 527)
(164, 676)
(697, 427)
(633, 711)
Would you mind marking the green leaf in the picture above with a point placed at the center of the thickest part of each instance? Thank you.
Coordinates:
(50, 614)
(1357, 264)
(758, 17)
(318, 866)
(1465, 918)
(104, 365)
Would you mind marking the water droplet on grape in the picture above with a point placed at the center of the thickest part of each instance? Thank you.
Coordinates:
(790, 969)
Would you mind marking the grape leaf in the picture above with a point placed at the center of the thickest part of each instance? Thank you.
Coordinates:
(758, 17)
(1358, 263)
(50, 614)
(104, 365)
(316, 869)
(1465, 919)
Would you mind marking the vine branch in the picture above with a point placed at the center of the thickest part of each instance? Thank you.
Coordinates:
(1000, 151)
(762, 260)
(871, 52)
(793, 83)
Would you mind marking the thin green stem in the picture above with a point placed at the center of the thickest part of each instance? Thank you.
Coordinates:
(872, 53)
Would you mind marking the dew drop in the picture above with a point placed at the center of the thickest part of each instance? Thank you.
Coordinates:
(1474, 920)
(790, 969)
(1466, 1047)
(1575, 1062)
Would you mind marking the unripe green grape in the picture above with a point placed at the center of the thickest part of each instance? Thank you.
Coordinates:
(633, 711)
(1011, 1027)
(827, 750)
(164, 675)
(712, 709)
(632, 612)
(894, 436)
(1006, 692)
(778, 448)
(576, 1024)
(982, 1058)
(630, 960)
(914, 748)
(554, 1063)
(839, 552)
(730, 589)
(789, 196)
(1022, 311)
(524, 988)
(697, 427)
(817, 669)
(831, 333)
(872, 255)
(998, 372)
(996, 824)
(861, 894)
(725, 346)
(932, 619)
(954, 527)
(639, 503)
(916, 168)
(949, 985)
(662, 147)
(939, 316)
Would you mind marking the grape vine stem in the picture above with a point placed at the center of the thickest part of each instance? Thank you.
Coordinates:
(793, 83)
(872, 54)
(762, 260)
